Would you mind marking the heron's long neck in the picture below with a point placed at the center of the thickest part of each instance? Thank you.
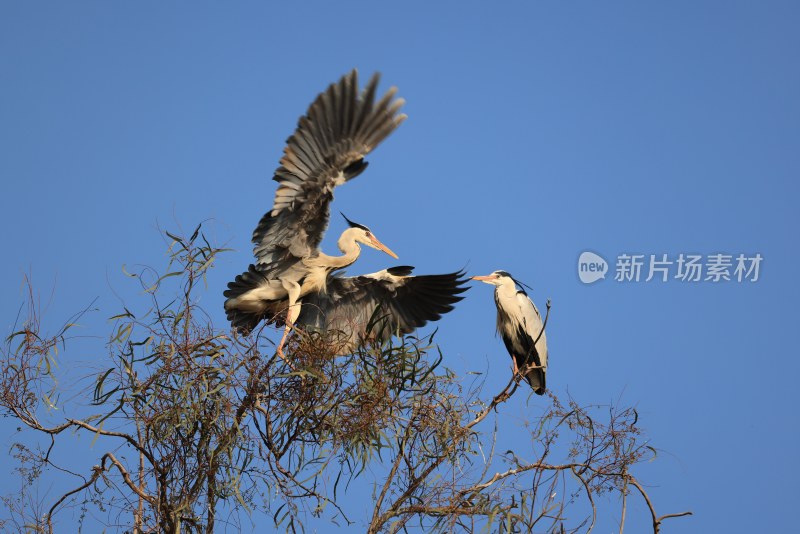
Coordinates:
(350, 251)
(506, 292)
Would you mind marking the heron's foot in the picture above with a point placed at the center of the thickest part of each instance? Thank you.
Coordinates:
(284, 358)
(518, 376)
(501, 398)
(514, 368)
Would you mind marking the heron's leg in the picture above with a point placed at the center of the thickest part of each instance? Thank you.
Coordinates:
(292, 312)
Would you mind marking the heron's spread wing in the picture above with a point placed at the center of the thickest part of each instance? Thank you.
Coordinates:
(326, 150)
(382, 304)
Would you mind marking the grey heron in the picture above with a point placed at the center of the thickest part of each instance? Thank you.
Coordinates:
(376, 306)
(520, 325)
(327, 149)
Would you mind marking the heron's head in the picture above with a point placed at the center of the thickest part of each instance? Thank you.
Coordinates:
(362, 234)
(496, 278)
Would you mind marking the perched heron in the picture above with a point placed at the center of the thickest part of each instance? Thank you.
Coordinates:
(520, 325)
(326, 150)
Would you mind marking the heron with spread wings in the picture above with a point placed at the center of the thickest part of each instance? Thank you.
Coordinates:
(376, 306)
(326, 150)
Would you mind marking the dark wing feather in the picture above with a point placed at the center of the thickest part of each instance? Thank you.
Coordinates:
(521, 348)
(382, 304)
(340, 128)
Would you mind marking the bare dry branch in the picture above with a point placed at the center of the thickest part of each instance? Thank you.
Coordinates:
(220, 426)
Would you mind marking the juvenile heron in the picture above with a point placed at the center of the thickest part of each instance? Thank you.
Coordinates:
(520, 325)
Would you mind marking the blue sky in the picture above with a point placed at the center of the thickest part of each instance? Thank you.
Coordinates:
(536, 131)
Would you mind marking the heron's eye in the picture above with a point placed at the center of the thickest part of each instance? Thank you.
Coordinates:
(368, 234)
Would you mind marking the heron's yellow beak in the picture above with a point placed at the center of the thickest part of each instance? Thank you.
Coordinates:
(486, 278)
(380, 246)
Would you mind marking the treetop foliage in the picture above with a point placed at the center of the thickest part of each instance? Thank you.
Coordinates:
(197, 429)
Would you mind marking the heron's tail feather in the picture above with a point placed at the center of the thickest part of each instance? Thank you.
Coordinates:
(243, 322)
(536, 379)
(244, 315)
